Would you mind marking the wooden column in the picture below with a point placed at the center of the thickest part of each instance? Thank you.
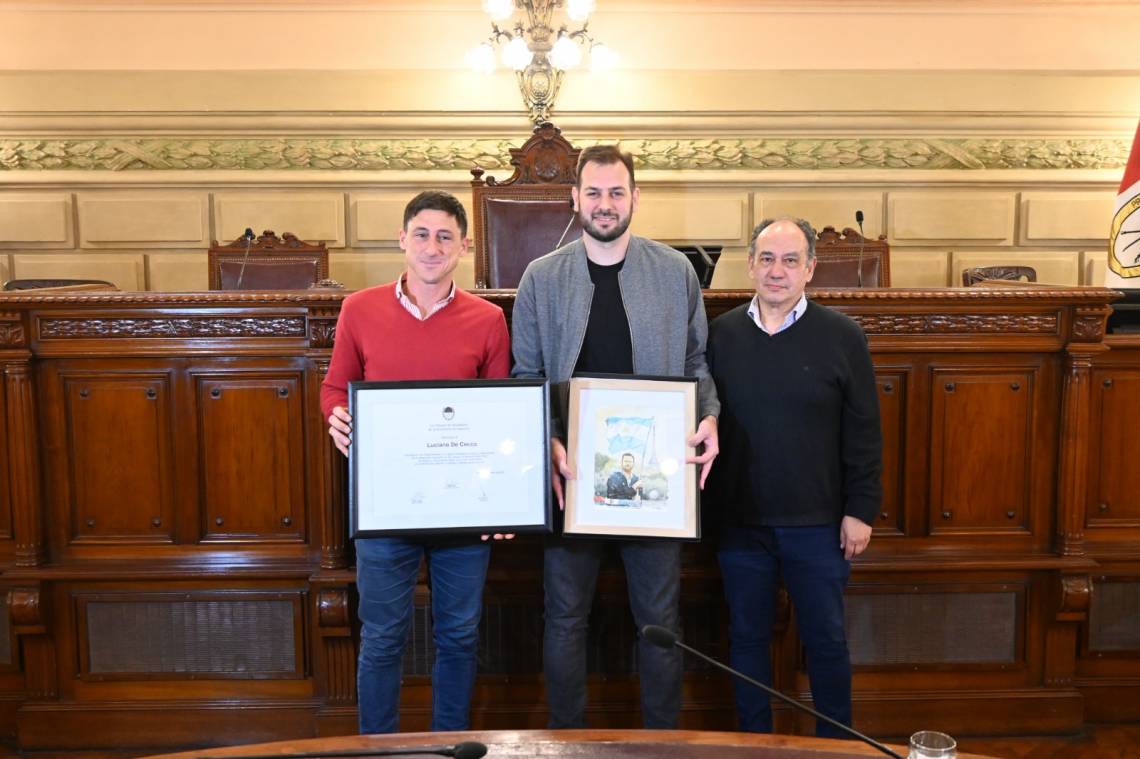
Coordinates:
(23, 447)
(322, 332)
(1086, 340)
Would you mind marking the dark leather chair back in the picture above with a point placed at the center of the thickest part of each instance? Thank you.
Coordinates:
(39, 284)
(267, 275)
(842, 270)
(524, 217)
(840, 257)
(272, 263)
(523, 231)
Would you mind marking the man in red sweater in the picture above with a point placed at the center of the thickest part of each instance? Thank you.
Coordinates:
(417, 328)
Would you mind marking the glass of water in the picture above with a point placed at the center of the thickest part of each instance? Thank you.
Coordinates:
(931, 744)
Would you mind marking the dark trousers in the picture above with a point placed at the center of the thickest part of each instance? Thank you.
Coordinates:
(653, 574)
(815, 572)
(386, 571)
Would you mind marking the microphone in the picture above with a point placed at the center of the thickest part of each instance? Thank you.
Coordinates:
(573, 214)
(664, 638)
(464, 750)
(248, 235)
(862, 242)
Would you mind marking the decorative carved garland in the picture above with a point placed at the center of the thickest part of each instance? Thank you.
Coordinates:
(219, 326)
(717, 153)
(888, 324)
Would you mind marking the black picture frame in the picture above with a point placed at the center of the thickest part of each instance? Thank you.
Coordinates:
(463, 455)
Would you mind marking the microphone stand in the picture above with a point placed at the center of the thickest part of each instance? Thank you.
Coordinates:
(245, 258)
(465, 750)
(862, 242)
(660, 636)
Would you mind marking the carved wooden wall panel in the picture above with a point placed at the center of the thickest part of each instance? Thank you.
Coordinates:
(251, 449)
(977, 621)
(5, 472)
(892, 384)
(1115, 487)
(120, 474)
(982, 442)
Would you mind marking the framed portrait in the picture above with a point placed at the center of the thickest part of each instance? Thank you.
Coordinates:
(627, 443)
(449, 457)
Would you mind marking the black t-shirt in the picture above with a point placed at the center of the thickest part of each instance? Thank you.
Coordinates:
(608, 345)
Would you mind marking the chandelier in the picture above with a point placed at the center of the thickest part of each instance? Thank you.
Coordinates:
(539, 53)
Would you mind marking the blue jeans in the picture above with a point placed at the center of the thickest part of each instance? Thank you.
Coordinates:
(386, 570)
(815, 573)
(653, 575)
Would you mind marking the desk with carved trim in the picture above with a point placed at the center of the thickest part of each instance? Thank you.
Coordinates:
(173, 537)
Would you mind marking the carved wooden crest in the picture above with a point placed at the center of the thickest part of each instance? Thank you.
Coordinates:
(828, 237)
(269, 241)
(546, 158)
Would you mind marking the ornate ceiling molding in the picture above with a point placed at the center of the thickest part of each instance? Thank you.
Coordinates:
(717, 153)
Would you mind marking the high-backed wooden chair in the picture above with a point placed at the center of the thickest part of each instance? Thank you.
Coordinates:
(273, 263)
(841, 257)
(975, 274)
(527, 215)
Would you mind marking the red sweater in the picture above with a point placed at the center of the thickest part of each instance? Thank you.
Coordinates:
(376, 339)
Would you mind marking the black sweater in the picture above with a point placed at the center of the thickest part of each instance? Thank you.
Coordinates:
(799, 425)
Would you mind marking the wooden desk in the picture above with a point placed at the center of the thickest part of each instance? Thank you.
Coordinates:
(173, 539)
(610, 744)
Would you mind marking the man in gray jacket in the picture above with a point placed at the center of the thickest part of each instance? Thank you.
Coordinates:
(611, 303)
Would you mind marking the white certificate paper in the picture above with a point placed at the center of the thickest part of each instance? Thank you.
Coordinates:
(458, 457)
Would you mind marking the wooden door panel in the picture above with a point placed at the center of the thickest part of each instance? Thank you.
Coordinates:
(251, 456)
(119, 458)
(981, 450)
(5, 469)
(1115, 492)
(893, 385)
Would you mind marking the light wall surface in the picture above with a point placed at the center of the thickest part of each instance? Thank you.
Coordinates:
(969, 133)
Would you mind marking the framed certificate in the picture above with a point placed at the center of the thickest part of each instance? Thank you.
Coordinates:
(449, 457)
(627, 443)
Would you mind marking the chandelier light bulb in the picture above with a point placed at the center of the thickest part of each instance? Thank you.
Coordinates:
(499, 10)
(481, 59)
(580, 10)
(602, 58)
(516, 54)
(565, 54)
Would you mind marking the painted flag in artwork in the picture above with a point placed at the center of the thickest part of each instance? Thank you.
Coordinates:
(628, 433)
(1124, 237)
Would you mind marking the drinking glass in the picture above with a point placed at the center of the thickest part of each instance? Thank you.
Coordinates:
(931, 744)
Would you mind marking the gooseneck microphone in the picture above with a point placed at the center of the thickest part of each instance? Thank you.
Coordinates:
(248, 235)
(862, 242)
(665, 638)
(464, 750)
(573, 215)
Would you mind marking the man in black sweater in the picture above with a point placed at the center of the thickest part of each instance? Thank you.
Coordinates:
(797, 485)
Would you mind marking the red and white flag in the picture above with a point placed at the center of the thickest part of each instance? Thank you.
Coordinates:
(1124, 238)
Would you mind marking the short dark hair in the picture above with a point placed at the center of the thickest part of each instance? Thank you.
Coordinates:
(437, 200)
(605, 155)
(630, 454)
(805, 227)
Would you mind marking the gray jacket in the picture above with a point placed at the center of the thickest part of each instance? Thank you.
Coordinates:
(663, 303)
